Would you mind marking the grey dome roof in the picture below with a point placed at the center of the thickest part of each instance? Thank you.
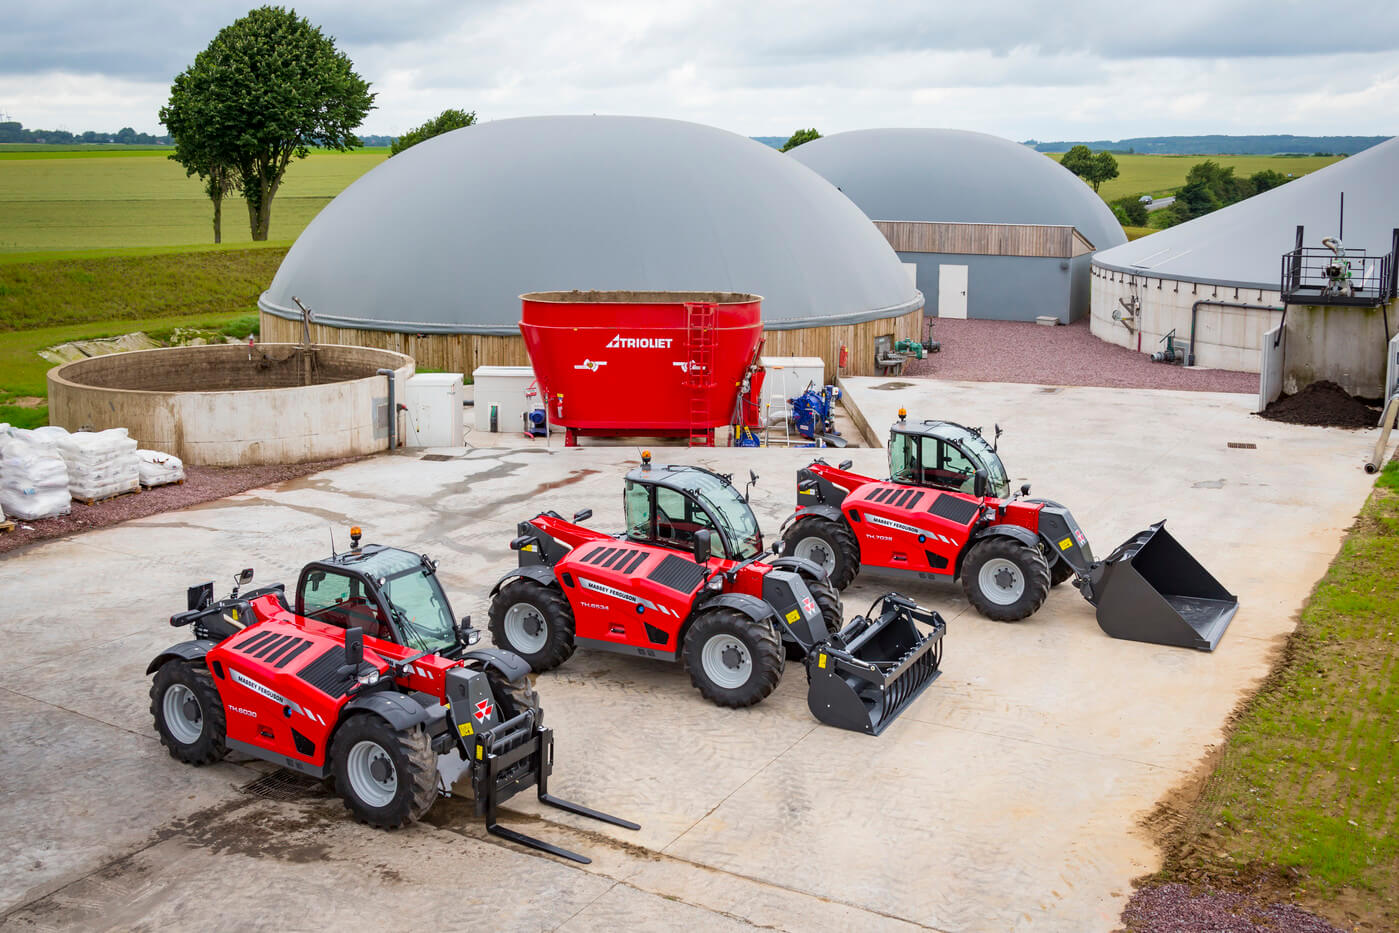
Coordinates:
(445, 236)
(1243, 244)
(957, 176)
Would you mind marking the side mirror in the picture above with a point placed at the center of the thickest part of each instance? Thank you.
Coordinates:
(702, 545)
(979, 484)
(354, 647)
(199, 597)
(466, 634)
(846, 464)
(752, 477)
(582, 516)
(245, 577)
(1025, 489)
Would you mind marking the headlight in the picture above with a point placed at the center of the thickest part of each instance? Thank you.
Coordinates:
(368, 680)
(715, 584)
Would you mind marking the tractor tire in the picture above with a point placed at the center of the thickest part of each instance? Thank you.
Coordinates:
(1005, 579)
(534, 621)
(830, 544)
(189, 715)
(386, 776)
(1059, 571)
(733, 661)
(514, 696)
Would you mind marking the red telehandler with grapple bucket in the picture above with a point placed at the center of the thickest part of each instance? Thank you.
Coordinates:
(688, 582)
(947, 513)
(368, 680)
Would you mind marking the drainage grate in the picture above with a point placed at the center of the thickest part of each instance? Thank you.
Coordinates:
(437, 458)
(1240, 445)
(284, 785)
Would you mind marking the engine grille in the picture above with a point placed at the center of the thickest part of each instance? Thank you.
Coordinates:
(678, 574)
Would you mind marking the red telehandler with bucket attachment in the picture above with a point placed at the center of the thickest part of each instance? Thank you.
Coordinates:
(947, 512)
(687, 582)
(368, 681)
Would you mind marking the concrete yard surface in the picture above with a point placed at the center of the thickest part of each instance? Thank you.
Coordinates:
(1010, 796)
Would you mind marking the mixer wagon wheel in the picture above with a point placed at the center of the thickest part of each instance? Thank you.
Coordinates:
(534, 621)
(1005, 579)
(733, 661)
(829, 544)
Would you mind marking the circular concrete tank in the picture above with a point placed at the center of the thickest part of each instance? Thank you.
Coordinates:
(235, 405)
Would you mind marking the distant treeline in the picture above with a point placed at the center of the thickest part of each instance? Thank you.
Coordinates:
(13, 132)
(1222, 145)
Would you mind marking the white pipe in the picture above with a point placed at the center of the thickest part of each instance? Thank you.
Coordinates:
(1387, 421)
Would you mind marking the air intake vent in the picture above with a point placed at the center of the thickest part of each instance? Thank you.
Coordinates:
(954, 509)
(324, 673)
(678, 574)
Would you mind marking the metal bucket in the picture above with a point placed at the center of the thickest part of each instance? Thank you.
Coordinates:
(1150, 589)
(876, 667)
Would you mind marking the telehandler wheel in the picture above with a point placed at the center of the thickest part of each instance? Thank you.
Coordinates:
(733, 661)
(386, 776)
(514, 696)
(829, 544)
(189, 715)
(534, 621)
(1059, 571)
(1005, 579)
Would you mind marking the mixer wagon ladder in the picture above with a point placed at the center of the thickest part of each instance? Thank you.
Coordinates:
(699, 376)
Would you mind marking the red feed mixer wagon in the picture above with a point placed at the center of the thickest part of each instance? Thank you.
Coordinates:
(659, 364)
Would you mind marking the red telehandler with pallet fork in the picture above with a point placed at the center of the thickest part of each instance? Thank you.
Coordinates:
(368, 680)
(947, 513)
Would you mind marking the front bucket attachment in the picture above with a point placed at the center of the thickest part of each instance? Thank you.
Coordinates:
(864, 677)
(1150, 589)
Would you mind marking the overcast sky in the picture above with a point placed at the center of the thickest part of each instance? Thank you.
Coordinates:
(1069, 69)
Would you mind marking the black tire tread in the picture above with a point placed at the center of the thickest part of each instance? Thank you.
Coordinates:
(211, 745)
(416, 747)
(1059, 571)
(769, 658)
(837, 533)
(1036, 580)
(828, 601)
(516, 695)
(551, 601)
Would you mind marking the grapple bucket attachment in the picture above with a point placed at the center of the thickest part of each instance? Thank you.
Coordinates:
(1150, 589)
(863, 678)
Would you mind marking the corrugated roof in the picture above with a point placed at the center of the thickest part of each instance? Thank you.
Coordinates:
(1243, 244)
(957, 176)
(447, 235)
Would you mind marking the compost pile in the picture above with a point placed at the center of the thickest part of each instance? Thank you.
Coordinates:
(1325, 404)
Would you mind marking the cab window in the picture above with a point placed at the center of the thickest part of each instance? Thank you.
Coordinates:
(903, 458)
(340, 599)
(636, 502)
(677, 518)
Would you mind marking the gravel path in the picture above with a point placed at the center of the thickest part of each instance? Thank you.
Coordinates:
(1174, 908)
(201, 485)
(1014, 351)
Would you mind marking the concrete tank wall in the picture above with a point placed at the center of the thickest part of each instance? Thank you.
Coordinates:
(228, 405)
(1225, 338)
(1347, 346)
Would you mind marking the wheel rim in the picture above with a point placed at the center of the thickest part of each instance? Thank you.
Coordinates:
(183, 716)
(526, 629)
(372, 774)
(726, 661)
(1001, 581)
(817, 551)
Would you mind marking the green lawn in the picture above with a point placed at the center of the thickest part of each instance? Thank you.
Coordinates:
(84, 200)
(1308, 781)
(1159, 175)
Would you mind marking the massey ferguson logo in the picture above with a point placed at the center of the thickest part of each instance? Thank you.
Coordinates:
(900, 526)
(483, 709)
(606, 590)
(640, 343)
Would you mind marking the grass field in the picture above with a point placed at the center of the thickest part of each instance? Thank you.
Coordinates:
(1306, 791)
(93, 201)
(1159, 175)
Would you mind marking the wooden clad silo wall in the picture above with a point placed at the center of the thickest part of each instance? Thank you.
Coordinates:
(462, 353)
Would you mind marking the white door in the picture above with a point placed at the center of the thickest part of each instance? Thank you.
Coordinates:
(952, 291)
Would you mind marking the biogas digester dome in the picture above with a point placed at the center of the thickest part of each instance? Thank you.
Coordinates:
(430, 252)
(996, 229)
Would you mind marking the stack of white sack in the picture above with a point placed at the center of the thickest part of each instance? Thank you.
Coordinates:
(33, 477)
(101, 464)
(158, 469)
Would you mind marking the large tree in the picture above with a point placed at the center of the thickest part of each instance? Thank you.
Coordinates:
(1092, 168)
(268, 88)
(444, 122)
(800, 137)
